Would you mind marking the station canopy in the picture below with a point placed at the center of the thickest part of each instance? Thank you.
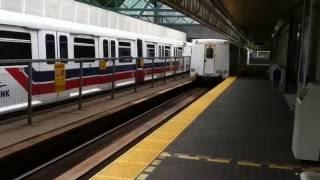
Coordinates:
(149, 10)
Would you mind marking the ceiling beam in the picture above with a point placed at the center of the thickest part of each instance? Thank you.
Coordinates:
(209, 14)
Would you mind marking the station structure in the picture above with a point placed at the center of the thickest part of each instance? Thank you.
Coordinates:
(160, 89)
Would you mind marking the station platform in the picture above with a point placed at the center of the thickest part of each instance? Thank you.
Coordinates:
(48, 123)
(241, 129)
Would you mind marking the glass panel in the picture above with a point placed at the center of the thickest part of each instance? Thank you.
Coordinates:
(140, 49)
(125, 51)
(209, 53)
(15, 45)
(84, 48)
(105, 48)
(15, 35)
(150, 50)
(113, 48)
(50, 47)
(167, 51)
(63, 40)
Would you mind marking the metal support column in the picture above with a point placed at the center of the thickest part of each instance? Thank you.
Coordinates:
(80, 85)
(175, 68)
(30, 93)
(165, 69)
(182, 71)
(152, 75)
(136, 76)
(113, 79)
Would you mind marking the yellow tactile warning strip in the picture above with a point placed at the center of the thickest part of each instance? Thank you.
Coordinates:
(131, 164)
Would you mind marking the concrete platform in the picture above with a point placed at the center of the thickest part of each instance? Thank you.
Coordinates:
(48, 123)
(240, 129)
(245, 134)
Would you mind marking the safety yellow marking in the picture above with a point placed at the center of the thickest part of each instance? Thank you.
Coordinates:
(248, 163)
(156, 162)
(150, 169)
(275, 166)
(151, 146)
(138, 158)
(142, 176)
(219, 160)
(165, 154)
(188, 157)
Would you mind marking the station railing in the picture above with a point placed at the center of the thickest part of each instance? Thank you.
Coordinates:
(176, 65)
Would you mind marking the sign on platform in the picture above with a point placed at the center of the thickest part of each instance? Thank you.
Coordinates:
(103, 64)
(60, 77)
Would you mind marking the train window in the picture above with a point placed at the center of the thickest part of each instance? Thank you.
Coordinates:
(150, 50)
(167, 51)
(180, 51)
(63, 43)
(84, 48)
(105, 48)
(15, 45)
(159, 50)
(113, 48)
(50, 47)
(124, 51)
(209, 52)
(174, 51)
(140, 49)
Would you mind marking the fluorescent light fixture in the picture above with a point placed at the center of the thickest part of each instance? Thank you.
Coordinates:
(85, 92)
(18, 106)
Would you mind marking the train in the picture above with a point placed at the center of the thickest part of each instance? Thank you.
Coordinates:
(216, 59)
(65, 29)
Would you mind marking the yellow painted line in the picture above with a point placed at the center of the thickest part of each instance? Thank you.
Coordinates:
(275, 166)
(165, 154)
(180, 154)
(219, 160)
(142, 176)
(131, 164)
(150, 169)
(188, 157)
(156, 162)
(249, 163)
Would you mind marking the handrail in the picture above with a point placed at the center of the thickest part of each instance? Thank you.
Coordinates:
(29, 62)
(15, 61)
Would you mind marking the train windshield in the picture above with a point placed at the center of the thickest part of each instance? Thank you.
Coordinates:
(209, 52)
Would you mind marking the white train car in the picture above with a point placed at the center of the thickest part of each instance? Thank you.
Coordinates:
(61, 29)
(210, 58)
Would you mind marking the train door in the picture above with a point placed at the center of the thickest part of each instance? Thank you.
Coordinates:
(63, 45)
(140, 53)
(54, 45)
(47, 47)
(104, 64)
(209, 59)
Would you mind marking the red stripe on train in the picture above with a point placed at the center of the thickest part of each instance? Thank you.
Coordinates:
(47, 88)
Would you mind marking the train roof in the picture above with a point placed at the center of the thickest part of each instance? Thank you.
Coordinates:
(212, 41)
(79, 18)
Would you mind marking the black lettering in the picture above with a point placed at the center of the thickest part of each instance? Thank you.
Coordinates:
(4, 93)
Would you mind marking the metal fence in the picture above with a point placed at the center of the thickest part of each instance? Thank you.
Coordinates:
(33, 75)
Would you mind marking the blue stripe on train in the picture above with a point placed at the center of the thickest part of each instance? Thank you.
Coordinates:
(44, 76)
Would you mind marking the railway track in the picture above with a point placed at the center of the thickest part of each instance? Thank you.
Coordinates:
(82, 152)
